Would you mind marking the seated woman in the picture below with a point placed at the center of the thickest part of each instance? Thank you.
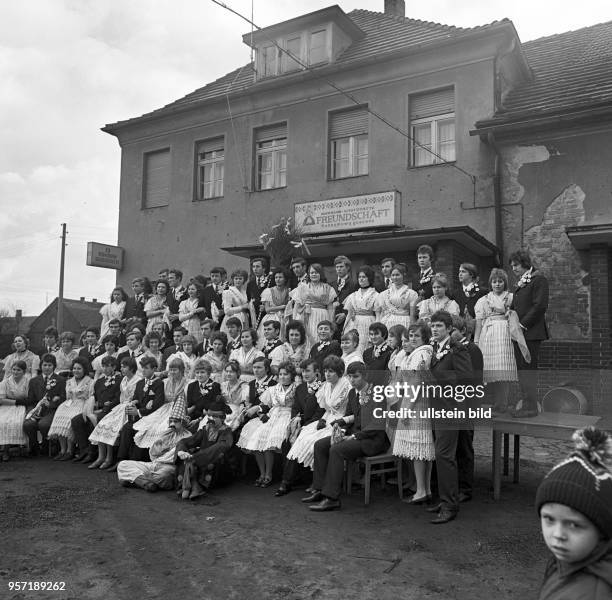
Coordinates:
(151, 426)
(111, 348)
(349, 342)
(204, 458)
(66, 355)
(79, 392)
(152, 343)
(21, 345)
(235, 392)
(200, 394)
(217, 356)
(295, 349)
(394, 341)
(264, 378)
(333, 398)
(265, 436)
(246, 353)
(106, 432)
(13, 401)
(439, 300)
(187, 355)
(46, 392)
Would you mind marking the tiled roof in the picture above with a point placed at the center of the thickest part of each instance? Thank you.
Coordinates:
(384, 34)
(86, 313)
(571, 71)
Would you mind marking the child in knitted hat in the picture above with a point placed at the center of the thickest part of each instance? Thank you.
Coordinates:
(575, 506)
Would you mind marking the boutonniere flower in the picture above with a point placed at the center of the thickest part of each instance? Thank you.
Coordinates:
(471, 290)
(365, 395)
(341, 284)
(110, 381)
(51, 383)
(313, 386)
(426, 276)
(525, 278)
(379, 349)
(147, 384)
(262, 386)
(322, 345)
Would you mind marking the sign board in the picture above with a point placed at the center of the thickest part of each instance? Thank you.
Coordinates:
(105, 256)
(343, 214)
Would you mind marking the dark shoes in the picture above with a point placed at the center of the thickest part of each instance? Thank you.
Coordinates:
(282, 490)
(316, 496)
(325, 505)
(464, 497)
(444, 516)
(418, 501)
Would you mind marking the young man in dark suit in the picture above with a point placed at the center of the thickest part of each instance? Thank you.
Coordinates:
(134, 306)
(467, 296)
(258, 282)
(299, 272)
(344, 287)
(425, 258)
(376, 357)
(92, 348)
(530, 301)
(134, 346)
(450, 367)
(213, 295)
(177, 294)
(365, 435)
(326, 346)
(386, 266)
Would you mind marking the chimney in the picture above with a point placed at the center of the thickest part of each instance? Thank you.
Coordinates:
(94, 299)
(395, 8)
(82, 298)
(18, 315)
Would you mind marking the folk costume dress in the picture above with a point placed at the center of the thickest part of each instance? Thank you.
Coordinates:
(351, 357)
(192, 323)
(295, 355)
(275, 297)
(110, 311)
(12, 416)
(237, 398)
(495, 341)
(245, 359)
(413, 437)
(394, 305)
(31, 360)
(64, 361)
(218, 363)
(155, 303)
(108, 429)
(232, 299)
(151, 426)
(333, 399)
(428, 307)
(276, 402)
(78, 393)
(311, 306)
(361, 307)
(188, 361)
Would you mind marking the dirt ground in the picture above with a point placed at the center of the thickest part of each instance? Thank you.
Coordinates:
(62, 522)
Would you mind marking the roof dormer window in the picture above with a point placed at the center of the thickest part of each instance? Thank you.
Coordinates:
(318, 50)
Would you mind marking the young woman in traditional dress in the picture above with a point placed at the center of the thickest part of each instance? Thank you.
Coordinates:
(265, 435)
(235, 391)
(413, 437)
(394, 341)
(333, 397)
(151, 426)
(152, 342)
(20, 345)
(246, 354)
(274, 300)
(187, 355)
(13, 401)
(217, 356)
(439, 300)
(397, 304)
(110, 344)
(190, 311)
(349, 342)
(314, 302)
(496, 326)
(295, 349)
(115, 309)
(66, 354)
(106, 433)
(156, 307)
(235, 301)
(79, 395)
(361, 306)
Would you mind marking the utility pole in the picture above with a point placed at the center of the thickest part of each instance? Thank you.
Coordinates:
(60, 299)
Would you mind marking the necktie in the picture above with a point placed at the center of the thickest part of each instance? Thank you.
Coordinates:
(388, 282)
(357, 396)
(131, 353)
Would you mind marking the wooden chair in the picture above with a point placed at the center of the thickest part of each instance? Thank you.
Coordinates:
(376, 465)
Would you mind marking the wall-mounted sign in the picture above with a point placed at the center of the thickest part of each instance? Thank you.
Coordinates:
(105, 256)
(342, 214)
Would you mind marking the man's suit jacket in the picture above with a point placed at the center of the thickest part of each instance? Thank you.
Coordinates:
(254, 291)
(174, 302)
(126, 354)
(306, 405)
(37, 389)
(89, 356)
(333, 347)
(135, 308)
(209, 295)
(530, 303)
(452, 369)
(155, 394)
(107, 393)
(468, 302)
(378, 372)
(363, 425)
(201, 400)
(349, 287)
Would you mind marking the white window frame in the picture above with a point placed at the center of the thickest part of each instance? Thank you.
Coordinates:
(288, 65)
(433, 122)
(353, 156)
(311, 32)
(213, 160)
(276, 149)
(273, 70)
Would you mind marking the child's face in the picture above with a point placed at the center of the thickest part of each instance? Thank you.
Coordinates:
(569, 535)
(324, 332)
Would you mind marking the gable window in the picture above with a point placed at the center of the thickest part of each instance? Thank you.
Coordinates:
(294, 46)
(269, 55)
(156, 179)
(432, 126)
(348, 138)
(271, 157)
(318, 47)
(211, 169)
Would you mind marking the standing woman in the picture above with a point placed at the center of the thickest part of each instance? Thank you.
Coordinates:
(114, 310)
(216, 356)
(360, 306)
(79, 393)
(314, 302)
(156, 306)
(274, 300)
(397, 304)
(493, 335)
(295, 349)
(235, 392)
(235, 301)
(20, 345)
(190, 311)
(66, 354)
(246, 353)
(13, 400)
(439, 300)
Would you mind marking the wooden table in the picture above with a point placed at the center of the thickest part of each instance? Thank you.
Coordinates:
(552, 426)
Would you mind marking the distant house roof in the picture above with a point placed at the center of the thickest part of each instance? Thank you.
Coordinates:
(15, 325)
(384, 35)
(86, 313)
(571, 72)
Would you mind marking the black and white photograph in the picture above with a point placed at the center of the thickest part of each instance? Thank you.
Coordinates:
(306, 301)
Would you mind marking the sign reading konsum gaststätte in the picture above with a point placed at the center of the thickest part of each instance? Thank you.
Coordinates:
(105, 256)
(342, 214)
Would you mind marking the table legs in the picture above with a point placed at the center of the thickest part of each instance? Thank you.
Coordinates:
(496, 465)
(517, 458)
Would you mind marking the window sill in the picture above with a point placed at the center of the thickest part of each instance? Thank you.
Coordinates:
(282, 187)
(331, 179)
(207, 199)
(441, 164)
(154, 207)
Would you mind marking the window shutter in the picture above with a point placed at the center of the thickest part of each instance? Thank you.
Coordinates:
(348, 123)
(432, 103)
(274, 132)
(157, 179)
(210, 145)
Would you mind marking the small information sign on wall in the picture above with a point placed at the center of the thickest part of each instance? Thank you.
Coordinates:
(105, 256)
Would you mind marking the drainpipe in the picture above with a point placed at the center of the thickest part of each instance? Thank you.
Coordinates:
(497, 197)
